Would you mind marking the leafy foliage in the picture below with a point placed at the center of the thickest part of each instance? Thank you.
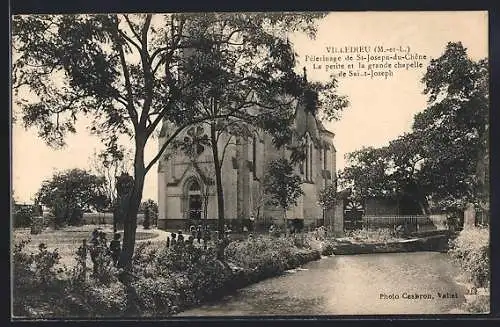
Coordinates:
(444, 159)
(129, 73)
(22, 216)
(164, 280)
(68, 194)
(242, 80)
(454, 128)
(471, 250)
(32, 271)
(327, 197)
(150, 209)
(281, 184)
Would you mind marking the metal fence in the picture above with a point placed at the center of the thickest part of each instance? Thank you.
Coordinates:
(414, 222)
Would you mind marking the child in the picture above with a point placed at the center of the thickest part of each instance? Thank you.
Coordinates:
(198, 234)
(102, 239)
(93, 247)
(115, 248)
(180, 238)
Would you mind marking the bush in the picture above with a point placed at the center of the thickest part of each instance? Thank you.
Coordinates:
(34, 271)
(157, 296)
(23, 216)
(59, 294)
(301, 241)
(171, 278)
(379, 235)
(92, 299)
(328, 248)
(260, 252)
(144, 256)
(480, 304)
(37, 225)
(471, 251)
(104, 272)
(150, 210)
(147, 219)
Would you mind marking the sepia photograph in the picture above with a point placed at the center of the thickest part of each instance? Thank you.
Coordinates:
(249, 164)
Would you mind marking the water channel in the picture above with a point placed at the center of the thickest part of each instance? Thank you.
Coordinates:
(396, 283)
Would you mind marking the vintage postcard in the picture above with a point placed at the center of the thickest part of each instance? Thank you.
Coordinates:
(250, 164)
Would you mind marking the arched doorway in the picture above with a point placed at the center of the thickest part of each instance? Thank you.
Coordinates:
(353, 215)
(194, 201)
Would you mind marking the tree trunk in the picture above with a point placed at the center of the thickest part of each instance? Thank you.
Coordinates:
(284, 221)
(205, 205)
(423, 208)
(469, 216)
(134, 201)
(218, 181)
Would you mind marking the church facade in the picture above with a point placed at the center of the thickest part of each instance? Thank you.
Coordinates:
(186, 189)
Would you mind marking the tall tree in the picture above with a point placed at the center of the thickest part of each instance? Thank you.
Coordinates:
(282, 185)
(127, 73)
(454, 129)
(444, 159)
(252, 86)
(327, 197)
(367, 173)
(391, 171)
(68, 194)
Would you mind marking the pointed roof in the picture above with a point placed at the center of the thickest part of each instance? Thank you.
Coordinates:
(323, 129)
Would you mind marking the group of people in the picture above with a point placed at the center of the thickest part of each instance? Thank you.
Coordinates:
(99, 245)
(197, 233)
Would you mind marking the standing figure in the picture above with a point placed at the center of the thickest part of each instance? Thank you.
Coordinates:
(180, 237)
(102, 241)
(94, 251)
(198, 234)
(192, 230)
(115, 248)
(206, 238)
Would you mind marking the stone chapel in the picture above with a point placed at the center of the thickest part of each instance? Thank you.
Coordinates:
(187, 193)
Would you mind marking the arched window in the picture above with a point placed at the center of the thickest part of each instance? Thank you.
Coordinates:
(325, 158)
(308, 158)
(311, 161)
(194, 186)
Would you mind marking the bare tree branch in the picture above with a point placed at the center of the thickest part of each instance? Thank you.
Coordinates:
(128, 85)
(131, 26)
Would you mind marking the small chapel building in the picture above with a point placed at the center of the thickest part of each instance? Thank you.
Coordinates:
(186, 189)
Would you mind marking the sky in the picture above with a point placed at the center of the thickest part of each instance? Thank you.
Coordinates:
(380, 109)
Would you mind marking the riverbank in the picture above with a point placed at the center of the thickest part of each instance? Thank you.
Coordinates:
(471, 251)
(206, 279)
(166, 281)
(349, 246)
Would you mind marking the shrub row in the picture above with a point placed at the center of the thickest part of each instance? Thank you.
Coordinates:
(163, 281)
(470, 249)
